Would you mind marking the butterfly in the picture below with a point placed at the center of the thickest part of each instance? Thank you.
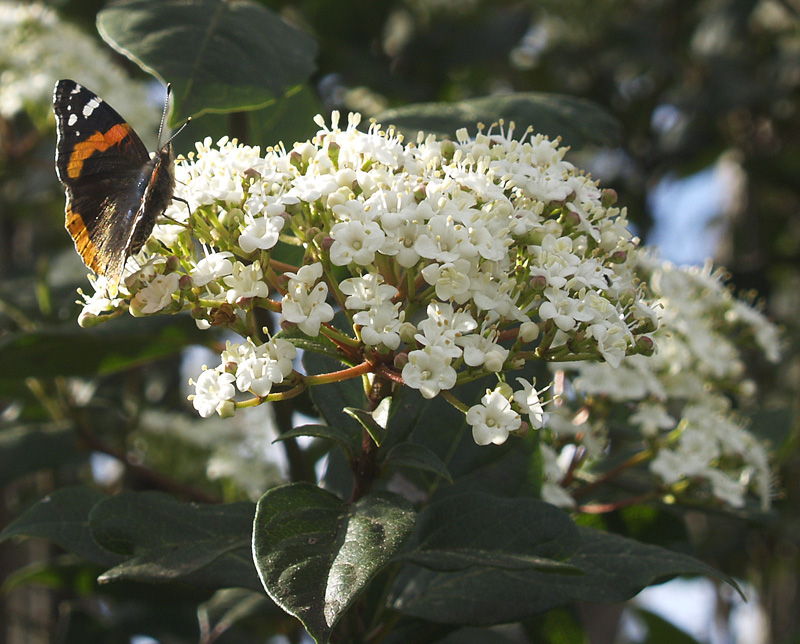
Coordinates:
(115, 190)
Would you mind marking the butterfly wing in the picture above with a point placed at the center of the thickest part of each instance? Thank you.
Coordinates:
(106, 169)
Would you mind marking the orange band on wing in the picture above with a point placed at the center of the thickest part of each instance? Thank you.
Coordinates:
(86, 249)
(98, 142)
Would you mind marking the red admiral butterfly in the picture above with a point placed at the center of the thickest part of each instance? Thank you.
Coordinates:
(115, 191)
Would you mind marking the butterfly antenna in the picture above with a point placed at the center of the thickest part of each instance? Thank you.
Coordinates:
(179, 130)
(164, 114)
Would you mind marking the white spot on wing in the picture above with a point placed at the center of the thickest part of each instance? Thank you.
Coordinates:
(77, 90)
(90, 107)
(72, 120)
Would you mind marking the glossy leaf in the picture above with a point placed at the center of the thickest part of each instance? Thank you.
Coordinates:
(220, 56)
(315, 553)
(467, 530)
(577, 121)
(69, 350)
(615, 569)
(63, 518)
(349, 442)
(417, 457)
(204, 545)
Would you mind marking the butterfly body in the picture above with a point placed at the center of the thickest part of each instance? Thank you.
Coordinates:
(115, 190)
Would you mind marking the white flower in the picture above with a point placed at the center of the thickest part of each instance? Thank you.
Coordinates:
(212, 267)
(651, 418)
(366, 292)
(381, 325)
(528, 400)
(264, 366)
(450, 279)
(260, 232)
(564, 310)
(304, 304)
(356, 242)
(492, 419)
(246, 281)
(429, 371)
(156, 295)
(214, 392)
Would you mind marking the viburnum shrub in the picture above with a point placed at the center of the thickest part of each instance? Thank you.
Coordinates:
(439, 288)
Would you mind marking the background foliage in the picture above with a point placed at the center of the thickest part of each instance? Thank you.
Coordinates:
(689, 84)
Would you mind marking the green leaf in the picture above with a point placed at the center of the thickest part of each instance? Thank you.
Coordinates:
(63, 518)
(331, 399)
(319, 344)
(227, 607)
(368, 422)
(29, 448)
(220, 56)
(315, 553)
(351, 444)
(205, 545)
(660, 630)
(468, 530)
(418, 457)
(615, 569)
(73, 351)
(577, 121)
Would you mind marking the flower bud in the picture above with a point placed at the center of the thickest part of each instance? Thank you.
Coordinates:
(252, 174)
(172, 264)
(618, 257)
(538, 282)
(226, 409)
(407, 332)
(333, 152)
(448, 149)
(528, 331)
(505, 390)
(645, 345)
(570, 220)
(400, 360)
(608, 197)
(296, 159)
(185, 284)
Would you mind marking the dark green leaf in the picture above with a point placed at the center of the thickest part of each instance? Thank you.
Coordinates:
(368, 422)
(320, 344)
(63, 518)
(27, 449)
(351, 444)
(206, 545)
(578, 121)
(315, 553)
(477, 529)
(476, 636)
(74, 351)
(418, 457)
(227, 607)
(615, 569)
(220, 56)
(660, 630)
(331, 399)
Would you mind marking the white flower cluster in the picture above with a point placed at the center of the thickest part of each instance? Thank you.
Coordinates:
(37, 49)
(683, 395)
(450, 260)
